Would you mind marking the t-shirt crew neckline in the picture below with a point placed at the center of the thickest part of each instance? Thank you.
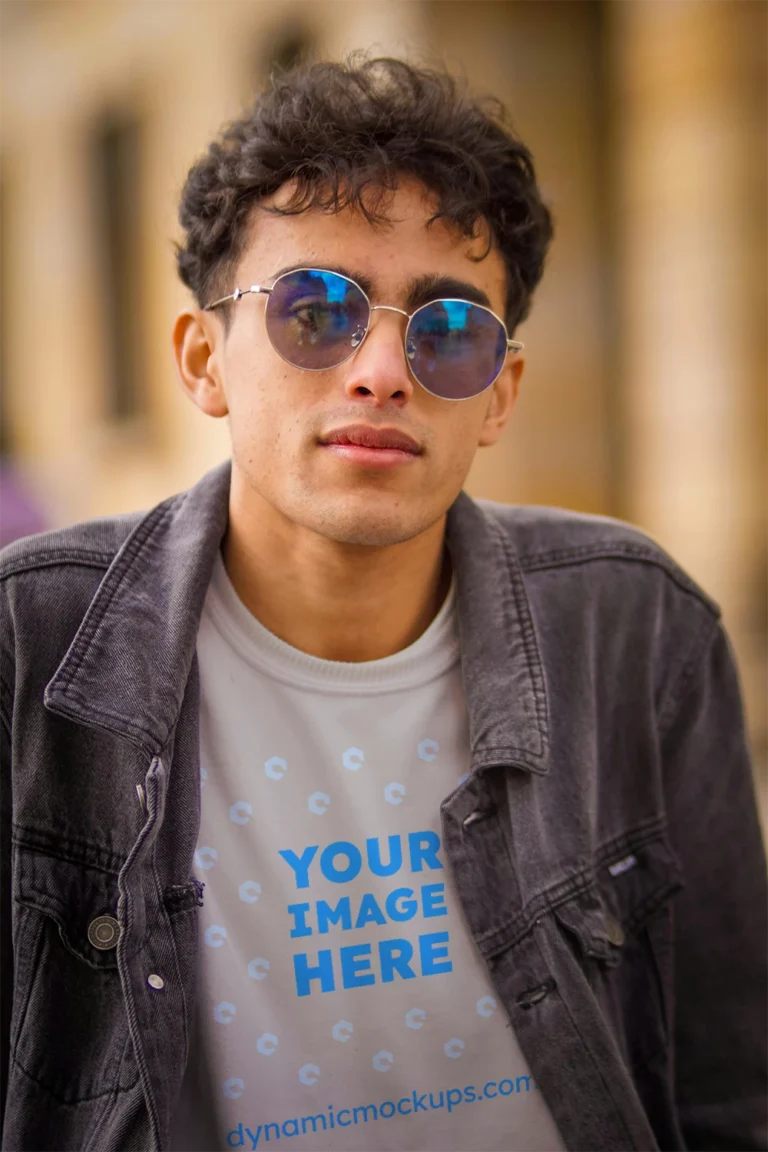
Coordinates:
(429, 657)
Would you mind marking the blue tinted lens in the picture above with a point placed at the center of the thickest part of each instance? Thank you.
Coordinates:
(455, 349)
(316, 319)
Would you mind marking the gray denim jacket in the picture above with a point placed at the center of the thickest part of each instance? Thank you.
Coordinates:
(605, 846)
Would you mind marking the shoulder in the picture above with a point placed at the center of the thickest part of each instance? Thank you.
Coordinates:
(91, 544)
(548, 539)
(608, 600)
(47, 581)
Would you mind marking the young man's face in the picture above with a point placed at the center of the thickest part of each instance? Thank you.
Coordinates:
(281, 417)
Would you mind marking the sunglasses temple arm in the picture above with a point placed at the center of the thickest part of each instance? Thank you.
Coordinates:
(236, 295)
(515, 345)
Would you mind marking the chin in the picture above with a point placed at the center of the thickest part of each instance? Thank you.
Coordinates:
(369, 533)
(372, 527)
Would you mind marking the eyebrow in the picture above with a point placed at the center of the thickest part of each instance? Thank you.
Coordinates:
(433, 287)
(419, 290)
(360, 278)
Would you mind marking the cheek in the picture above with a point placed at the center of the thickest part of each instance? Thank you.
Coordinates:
(253, 376)
(253, 417)
(460, 438)
(266, 417)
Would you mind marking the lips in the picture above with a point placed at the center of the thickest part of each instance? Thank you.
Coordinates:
(366, 436)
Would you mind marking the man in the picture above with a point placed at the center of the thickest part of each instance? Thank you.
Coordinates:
(347, 812)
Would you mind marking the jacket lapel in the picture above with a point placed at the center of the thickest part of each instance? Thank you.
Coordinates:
(127, 668)
(501, 666)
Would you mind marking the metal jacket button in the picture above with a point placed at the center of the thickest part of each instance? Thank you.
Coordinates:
(478, 814)
(103, 932)
(535, 995)
(614, 931)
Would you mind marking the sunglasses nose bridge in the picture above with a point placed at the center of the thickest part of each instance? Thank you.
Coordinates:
(362, 332)
(384, 308)
(389, 308)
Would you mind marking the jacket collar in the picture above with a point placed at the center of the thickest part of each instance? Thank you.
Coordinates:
(127, 668)
(500, 661)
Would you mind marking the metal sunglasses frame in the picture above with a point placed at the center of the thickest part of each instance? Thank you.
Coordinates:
(261, 290)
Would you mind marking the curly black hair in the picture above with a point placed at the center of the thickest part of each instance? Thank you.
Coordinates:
(343, 133)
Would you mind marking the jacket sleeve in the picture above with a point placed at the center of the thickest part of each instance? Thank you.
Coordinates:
(721, 935)
(6, 947)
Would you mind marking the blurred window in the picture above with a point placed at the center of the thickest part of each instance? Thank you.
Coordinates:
(20, 510)
(117, 177)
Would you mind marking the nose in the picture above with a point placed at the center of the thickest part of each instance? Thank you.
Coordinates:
(379, 369)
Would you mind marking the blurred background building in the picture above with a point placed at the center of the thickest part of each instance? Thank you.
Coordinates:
(644, 395)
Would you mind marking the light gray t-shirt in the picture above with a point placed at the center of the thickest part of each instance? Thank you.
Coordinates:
(342, 1003)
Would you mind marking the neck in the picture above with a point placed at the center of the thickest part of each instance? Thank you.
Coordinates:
(335, 601)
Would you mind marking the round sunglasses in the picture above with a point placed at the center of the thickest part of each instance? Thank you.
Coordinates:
(317, 320)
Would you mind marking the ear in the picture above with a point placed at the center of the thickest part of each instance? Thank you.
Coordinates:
(197, 345)
(502, 401)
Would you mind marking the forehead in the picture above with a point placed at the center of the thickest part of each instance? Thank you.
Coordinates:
(391, 254)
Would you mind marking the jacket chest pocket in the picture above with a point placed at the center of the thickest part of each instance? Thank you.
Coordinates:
(69, 1031)
(621, 932)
